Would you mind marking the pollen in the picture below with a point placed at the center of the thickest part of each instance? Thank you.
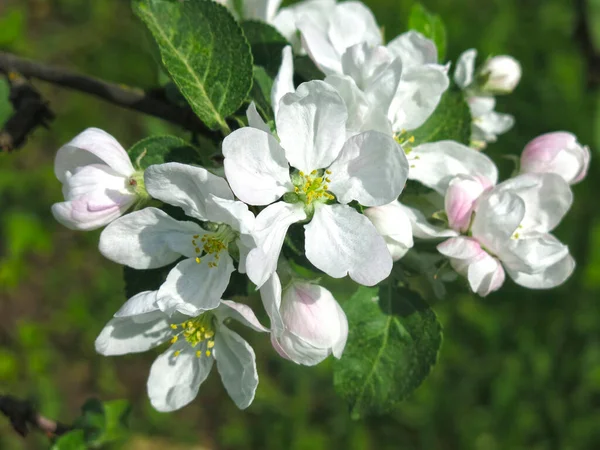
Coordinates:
(213, 243)
(313, 187)
(197, 332)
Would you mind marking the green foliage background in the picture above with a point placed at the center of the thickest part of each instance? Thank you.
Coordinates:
(518, 370)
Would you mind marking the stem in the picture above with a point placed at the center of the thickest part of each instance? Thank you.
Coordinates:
(23, 416)
(153, 104)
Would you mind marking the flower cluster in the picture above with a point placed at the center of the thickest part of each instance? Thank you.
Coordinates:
(334, 160)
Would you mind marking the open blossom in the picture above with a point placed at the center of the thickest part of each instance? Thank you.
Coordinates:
(329, 171)
(558, 153)
(508, 232)
(307, 323)
(99, 181)
(150, 238)
(196, 343)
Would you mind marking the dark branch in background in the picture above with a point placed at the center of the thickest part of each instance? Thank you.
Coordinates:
(152, 103)
(23, 417)
(583, 36)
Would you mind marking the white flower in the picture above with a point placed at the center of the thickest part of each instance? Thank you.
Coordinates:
(369, 168)
(150, 238)
(307, 323)
(558, 153)
(501, 74)
(197, 342)
(509, 231)
(99, 182)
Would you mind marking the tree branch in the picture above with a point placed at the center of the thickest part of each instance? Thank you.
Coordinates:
(583, 36)
(23, 416)
(154, 104)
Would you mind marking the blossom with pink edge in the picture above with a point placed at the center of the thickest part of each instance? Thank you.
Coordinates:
(99, 181)
(307, 323)
(558, 153)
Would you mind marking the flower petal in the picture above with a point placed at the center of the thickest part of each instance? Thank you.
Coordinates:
(341, 241)
(231, 212)
(550, 277)
(421, 228)
(414, 49)
(147, 239)
(465, 68)
(270, 229)
(318, 46)
(185, 186)
(191, 288)
(435, 164)
(532, 253)
(240, 312)
(237, 366)
(371, 168)
(284, 81)
(393, 224)
(92, 146)
(485, 275)
(298, 350)
(311, 124)
(123, 335)
(352, 23)
(142, 303)
(461, 196)
(174, 381)
(255, 120)
(270, 294)
(255, 166)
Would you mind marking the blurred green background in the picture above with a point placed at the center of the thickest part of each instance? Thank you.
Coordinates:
(518, 370)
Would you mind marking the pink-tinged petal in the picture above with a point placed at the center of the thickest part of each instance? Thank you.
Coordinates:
(340, 242)
(270, 229)
(414, 49)
(393, 224)
(311, 124)
(255, 166)
(485, 275)
(294, 348)
(550, 277)
(284, 81)
(240, 312)
(461, 195)
(186, 186)
(435, 164)
(92, 146)
(465, 68)
(371, 169)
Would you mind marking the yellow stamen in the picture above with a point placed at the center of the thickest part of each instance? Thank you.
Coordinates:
(207, 352)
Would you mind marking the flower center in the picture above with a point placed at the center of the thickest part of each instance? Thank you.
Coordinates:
(211, 244)
(135, 184)
(312, 187)
(199, 332)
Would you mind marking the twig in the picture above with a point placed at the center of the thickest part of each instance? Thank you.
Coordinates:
(154, 104)
(583, 37)
(23, 416)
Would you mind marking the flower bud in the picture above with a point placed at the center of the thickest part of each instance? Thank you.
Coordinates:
(99, 181)
(461, 195)
(558, 153)
(502, 74)
(308, 324)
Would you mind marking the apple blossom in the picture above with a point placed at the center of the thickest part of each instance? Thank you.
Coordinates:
(501, 74)
(150, 238)
(99, 181)
(329, 172)
(196, 343)
(558, 153)
(307, 323)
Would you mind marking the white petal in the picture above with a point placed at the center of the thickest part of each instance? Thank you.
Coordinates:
(418, 94)
(255, 120)
(341, 241)
(240, 312)
(485, 275)
(142, 303)
(191, 288)
(255, 166)
(231, 212)
(493, 123)
(237, 366)
(421, 228)
(92, 146)
(311, 124)
(435, 164)
(352, 23)
(532, 253)
(550, 277)
(270, 229)
(414, 49)
(123, 335)
(284, 81)
(185, 186)
(147, 239)
(371, 169)
(319, 47)
(465, 68)
(263, 10)
(270, 294)
(547, 199)
(393, 224)
(297, 350)
(174, 381)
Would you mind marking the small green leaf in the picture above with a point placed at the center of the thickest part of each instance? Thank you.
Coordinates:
(451, 120)
(162, 149)
(430, 26)
(116, 413)
(266, 44)
(103, 422)
(205, 52)
(393, 343)
(261, 91)
(73, 440)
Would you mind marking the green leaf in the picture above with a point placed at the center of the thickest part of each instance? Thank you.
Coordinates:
(104, 422)
(12, 26)
(430, 26)
(162, 149)
(266, 44)
(393, 343)
(261, 91)
(451, 120)
(205, 52)
(73, 440)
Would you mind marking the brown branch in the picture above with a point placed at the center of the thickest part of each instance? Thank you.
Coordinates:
(154, 104)
(23, 417)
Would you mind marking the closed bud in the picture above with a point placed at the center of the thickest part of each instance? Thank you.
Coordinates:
(501, 74)
(461, 195)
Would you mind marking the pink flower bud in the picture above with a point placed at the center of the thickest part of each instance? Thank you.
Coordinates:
(503, 74)
(461, 195)
(558, 153)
